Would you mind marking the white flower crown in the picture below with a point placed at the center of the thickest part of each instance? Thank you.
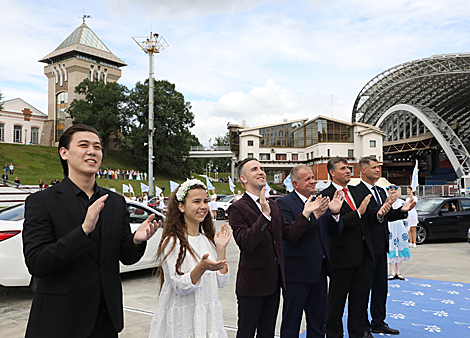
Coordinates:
(183, 189)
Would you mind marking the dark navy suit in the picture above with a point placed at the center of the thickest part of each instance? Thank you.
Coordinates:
(378, 266)
(306, 266)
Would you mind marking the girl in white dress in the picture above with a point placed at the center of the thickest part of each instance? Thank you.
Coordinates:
(193, 267)
(412, 218)
(398, 242)
(213, 205)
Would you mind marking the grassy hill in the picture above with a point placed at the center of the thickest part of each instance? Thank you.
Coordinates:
(38, 162)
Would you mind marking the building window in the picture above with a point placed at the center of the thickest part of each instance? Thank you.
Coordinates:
(264, 157)
(17, 134)
(295, 157)
(352, 171)
(311, 154)
(281, 157)
(350, 152)
(373, 156)
(250, 155)
(307, 156)
(62, 102)
(250, 143)
(2, 132)
(34, 135)
(328, 152)
(372, 143)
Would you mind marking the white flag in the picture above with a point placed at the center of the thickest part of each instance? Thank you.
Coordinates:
(173, 186)
(268, 189)
(158, 191)
(288, 183)
(130, 188)
(414, 178)
(231, 185)
(209, 184)
(125, 188)
(144, 187)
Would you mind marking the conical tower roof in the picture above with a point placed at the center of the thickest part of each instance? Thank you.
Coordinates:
(84, 41)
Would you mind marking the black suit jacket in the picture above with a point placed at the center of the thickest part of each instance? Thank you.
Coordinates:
(260, 243)
(347, 250)
(379, 231)
(72, 272)
(303, 259)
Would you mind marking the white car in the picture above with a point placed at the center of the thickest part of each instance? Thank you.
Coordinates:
(13, 270)
(222, 206)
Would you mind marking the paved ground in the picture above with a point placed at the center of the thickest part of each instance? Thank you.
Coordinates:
(438, 260)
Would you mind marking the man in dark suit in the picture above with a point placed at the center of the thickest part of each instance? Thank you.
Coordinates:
(74, 236)
(259, 228)
(370, 171)
(307, 261)
(349, 254)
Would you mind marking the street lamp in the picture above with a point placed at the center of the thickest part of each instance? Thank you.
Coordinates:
(151, 45)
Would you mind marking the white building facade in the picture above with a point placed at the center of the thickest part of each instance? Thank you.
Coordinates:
(21, 123)
(281, 146)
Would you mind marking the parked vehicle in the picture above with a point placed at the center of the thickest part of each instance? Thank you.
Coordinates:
(442, 217)
(13, 270)
(155, 204)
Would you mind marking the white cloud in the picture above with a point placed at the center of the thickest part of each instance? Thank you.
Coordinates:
(223, 53)
(260, 106)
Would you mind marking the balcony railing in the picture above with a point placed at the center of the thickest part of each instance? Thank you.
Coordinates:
(211, 148)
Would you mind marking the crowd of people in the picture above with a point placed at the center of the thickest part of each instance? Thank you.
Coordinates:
(298, 243)
(110, 174)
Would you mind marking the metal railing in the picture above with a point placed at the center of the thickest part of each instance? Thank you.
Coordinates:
(211, 148)
(423, 191)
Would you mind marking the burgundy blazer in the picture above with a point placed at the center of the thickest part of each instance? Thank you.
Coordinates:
(260, 243)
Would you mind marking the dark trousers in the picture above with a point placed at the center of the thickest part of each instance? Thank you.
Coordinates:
(351, 283)
(311, 298)
(103, 326)
(257, 313)
(379, 288)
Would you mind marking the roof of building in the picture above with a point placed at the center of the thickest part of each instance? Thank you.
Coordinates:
(440, 82)
(17, 105)
(84, 40)
(267, 125)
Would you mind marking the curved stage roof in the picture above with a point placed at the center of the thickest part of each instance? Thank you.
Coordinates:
(441, 83)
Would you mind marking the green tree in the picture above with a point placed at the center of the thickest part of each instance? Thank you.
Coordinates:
(1, 103)
(102, 108)
(223, 164)
(172, 120)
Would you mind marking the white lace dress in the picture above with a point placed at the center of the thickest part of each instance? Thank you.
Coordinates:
(186, 310)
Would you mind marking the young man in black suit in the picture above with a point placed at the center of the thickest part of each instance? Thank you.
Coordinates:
(370, 171)
(74, 236)
(349, 254)
(259, 228)
(307, 261)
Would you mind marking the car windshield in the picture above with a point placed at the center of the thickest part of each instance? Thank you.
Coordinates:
(14, 213)
(226, 198)
(428, 205)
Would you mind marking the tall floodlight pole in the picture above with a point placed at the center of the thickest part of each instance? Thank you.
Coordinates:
(151, 45)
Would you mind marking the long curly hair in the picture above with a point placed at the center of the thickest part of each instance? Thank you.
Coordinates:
(175, 229)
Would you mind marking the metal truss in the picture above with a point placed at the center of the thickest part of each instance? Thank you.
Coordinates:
(400, 147)
(405, 122)
(441, 83)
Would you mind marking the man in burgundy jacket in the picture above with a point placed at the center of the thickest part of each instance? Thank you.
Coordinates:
(259, 228)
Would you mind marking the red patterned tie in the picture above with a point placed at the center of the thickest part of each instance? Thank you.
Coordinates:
(350, 203)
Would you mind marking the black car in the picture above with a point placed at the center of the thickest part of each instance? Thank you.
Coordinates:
(442, 217)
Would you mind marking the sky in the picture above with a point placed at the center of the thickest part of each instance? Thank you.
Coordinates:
(257, 62)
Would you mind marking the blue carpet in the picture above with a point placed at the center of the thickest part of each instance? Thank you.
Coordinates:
(426, 308)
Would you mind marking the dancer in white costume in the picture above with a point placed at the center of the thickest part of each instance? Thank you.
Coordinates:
(398, 249)
(193, 266)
